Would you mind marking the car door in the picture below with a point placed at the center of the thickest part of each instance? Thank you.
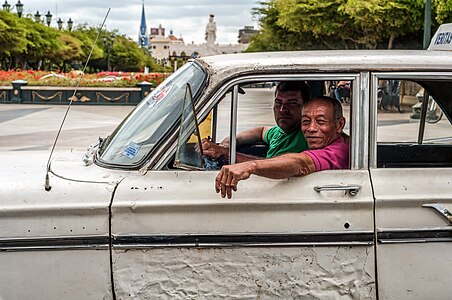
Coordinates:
(312, 236)
(411, 176)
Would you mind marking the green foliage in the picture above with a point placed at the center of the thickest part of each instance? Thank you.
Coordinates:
(25, 43)
(12, 36)
(342, 24)
(443, 10)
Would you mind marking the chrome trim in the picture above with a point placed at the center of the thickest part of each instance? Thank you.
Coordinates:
(226, 245)
(413, 75)
(442, 211)
(244, 240)
(165, 158)
(360, 124)
(351, 190)
(233, 124)
(90, 242)
(373, 121)
(425, 235)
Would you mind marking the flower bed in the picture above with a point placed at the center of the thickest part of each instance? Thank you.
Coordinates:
(104, 79)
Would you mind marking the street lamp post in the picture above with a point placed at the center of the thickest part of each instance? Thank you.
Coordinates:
(48, 18)
(20, 8)
(69, 24)
(109, 44)
(6, 6)
(427, 23)
(37, 17)
(60, 24)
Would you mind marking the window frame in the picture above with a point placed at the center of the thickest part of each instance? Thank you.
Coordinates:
(375, 77)
(359, 112)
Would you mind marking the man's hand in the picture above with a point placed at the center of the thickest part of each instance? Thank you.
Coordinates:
(229, 176)
(213, 150)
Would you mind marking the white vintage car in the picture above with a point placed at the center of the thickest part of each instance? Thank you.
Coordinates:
(141, 219)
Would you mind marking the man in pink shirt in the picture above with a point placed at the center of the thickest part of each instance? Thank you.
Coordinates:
(322, 123)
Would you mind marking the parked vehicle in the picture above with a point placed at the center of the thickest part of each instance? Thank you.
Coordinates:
(140, 218)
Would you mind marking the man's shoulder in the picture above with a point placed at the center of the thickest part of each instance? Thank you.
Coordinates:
(271, 133)
(338, 143)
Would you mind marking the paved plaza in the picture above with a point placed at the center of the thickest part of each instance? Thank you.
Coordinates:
(34, 127)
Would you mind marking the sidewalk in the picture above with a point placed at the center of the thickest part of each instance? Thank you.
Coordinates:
(34, 127)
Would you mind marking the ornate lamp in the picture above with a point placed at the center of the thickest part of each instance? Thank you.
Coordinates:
(20, 8)
(60, 24)
(6, 6)
(48, 18)
(37, 16)
(69, 24)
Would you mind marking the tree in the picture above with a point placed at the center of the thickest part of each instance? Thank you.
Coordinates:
(87, 35)
(42, 43)
(127, 56)
(12, 38)
(341, 24)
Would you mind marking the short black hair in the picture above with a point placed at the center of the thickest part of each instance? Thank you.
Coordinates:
(288, 86)
(338, 112)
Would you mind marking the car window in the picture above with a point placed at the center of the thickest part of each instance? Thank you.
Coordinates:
(399, 123)
(146, 126)
(254, 109)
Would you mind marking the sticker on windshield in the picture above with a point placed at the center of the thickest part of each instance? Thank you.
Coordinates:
(160, 94)
(131, 150)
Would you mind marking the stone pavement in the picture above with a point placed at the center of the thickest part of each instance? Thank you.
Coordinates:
(34, 127)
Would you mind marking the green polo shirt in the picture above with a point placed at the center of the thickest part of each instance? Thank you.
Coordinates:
(280, 142)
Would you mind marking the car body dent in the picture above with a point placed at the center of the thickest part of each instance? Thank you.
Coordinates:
(245, 273)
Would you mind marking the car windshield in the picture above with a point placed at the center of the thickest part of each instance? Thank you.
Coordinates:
(138, 134)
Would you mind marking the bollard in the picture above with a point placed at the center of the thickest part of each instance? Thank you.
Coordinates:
(145, 88)
(17, 90)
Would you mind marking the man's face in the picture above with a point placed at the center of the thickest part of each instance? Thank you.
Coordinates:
(319, 125)
(287, 110)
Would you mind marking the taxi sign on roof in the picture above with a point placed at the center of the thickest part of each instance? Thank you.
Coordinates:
(442, 40)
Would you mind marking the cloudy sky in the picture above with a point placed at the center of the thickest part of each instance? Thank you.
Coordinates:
(187, 18)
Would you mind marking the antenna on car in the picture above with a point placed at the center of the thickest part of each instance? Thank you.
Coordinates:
(47, 186)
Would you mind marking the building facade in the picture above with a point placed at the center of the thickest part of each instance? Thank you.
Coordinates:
(167, 48)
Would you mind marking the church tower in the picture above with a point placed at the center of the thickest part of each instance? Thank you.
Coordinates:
(143, 39)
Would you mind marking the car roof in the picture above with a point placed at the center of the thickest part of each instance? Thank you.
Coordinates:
(328, 60)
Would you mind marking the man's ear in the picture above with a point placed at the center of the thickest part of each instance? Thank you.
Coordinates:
(340, 123)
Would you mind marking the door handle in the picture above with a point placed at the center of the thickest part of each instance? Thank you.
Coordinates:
(442, 211)
(351, 190)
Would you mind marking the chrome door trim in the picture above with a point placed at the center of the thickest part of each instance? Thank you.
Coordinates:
(89, 242)
(318, 239)
(233, 124)
(373, 121)
(359, 127)
(425, 235)
(351, 189)
(413, 75)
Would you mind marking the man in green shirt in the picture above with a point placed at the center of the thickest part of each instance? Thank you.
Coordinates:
(286, 137)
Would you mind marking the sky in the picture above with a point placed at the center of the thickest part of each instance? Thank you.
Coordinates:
(186, 18)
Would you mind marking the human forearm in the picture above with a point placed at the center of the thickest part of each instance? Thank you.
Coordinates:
(284, 166)
(249, 136)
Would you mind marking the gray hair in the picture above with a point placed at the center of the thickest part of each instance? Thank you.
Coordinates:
(337, 107)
